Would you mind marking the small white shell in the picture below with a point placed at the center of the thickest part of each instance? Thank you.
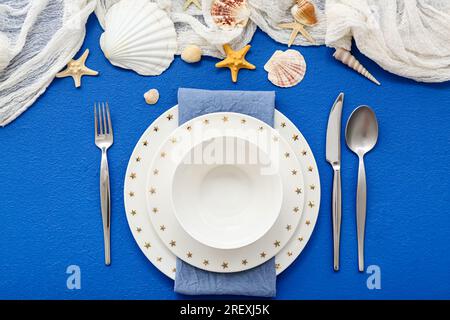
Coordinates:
(151, 96)
(139, 36)
(191, 54)
(349, 60)
(228, 14)
(286, 68)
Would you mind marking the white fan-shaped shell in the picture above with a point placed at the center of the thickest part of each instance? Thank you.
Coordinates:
(286, 68)
(228, 14)
(139, 36)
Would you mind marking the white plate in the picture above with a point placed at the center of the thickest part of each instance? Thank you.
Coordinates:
(223, 198)
(163, 217)
(136, 208)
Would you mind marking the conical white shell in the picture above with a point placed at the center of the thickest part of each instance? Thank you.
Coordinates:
(348, 59)
(228, 14)
(286, 68)
(139, 36)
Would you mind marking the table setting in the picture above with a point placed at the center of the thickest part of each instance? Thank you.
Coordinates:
(208, 148)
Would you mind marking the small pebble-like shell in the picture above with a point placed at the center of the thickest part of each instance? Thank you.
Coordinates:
(191, 54)
(151, 96)
(349, 60)
(228, 14)
(286, 68)
(304, 12)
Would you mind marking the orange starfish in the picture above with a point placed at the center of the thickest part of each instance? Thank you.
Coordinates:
(235, 61)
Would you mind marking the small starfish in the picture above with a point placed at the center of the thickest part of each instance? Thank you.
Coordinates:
(76, 69)
(187, 3)
(296, 28)
(235, 60)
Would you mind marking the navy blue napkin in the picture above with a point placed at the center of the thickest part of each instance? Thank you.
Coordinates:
(259, 281)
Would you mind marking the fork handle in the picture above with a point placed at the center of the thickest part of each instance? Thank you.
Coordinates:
(105, 200)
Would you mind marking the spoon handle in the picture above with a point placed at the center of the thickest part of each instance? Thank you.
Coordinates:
(361, 197)
(336, 216)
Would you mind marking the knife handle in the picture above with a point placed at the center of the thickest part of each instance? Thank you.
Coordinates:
(336, 215)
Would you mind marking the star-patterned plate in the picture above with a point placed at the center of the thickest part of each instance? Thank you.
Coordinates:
(136, 208)
(159, 191)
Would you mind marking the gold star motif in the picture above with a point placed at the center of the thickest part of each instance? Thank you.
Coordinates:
(298, 190)
(311, 204)
(294, 172)
(310, 169)
(312, 187)
(295, 137)
(289, 253)
(206, 121)
(225, 265)
(225, 119)
(163, 154)
(283, 124)
(138, 230)
(276, 243)
(304, 153)
(189, 254)
(133, 212)
(147, 245)
(187, 3)
(300, 239)
(152, 190)
(169, 117)
(174, 270)
(277, 266)
(76, 69)
(145, 143)
(308, 222)
(296, 29)
(235, 61)
(296, 209)
(288, 227)
(155, 172)
(188, 128)
(159, 259)
(261, 128)
(262, 254)
(155, 210)
(131, 194)
(155, 129)
(244, 262)
(162, 228)
(173, 140)
(172, 243)
(133, 175)
(205, 262)
(138, 159)
(287, 154)
(243, 121)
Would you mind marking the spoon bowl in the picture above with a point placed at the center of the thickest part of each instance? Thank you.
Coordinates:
(361, 132)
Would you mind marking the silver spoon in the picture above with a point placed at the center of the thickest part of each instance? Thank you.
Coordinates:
(361, 134)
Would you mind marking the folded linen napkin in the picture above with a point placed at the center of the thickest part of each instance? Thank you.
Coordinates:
(259, 281)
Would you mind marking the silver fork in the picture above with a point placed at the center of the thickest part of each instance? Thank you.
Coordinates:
(104, 140)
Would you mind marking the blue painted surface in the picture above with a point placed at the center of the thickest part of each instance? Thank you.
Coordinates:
(49, 208)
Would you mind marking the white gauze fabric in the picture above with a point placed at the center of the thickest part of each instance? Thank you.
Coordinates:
(410, 38)
(196, 26)
(37, 39)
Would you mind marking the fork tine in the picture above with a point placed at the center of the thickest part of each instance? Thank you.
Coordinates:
(104, 118)
(95, 118)
(109, 119)
(100, 119)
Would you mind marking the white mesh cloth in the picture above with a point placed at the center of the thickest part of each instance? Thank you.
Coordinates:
(37, 39)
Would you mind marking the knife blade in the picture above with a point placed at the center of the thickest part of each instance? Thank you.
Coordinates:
(333, 156)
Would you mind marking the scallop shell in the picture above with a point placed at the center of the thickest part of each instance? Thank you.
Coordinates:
(304, 12)
(228, 14)
(349, 60)
(151, 96)
(191, 54)
(139, 36)
(286, 68)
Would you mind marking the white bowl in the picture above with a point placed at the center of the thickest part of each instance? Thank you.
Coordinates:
(226, 199)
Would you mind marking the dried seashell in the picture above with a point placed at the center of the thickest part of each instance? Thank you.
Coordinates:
(228, 14)
(191, 54)
(139, 36)
(348, 59)
(304, 12)
(151, 96)
(286, 68)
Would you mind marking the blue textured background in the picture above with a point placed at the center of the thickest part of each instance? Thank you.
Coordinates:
(49, 204)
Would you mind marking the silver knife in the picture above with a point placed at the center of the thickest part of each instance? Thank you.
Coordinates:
(333, 155)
